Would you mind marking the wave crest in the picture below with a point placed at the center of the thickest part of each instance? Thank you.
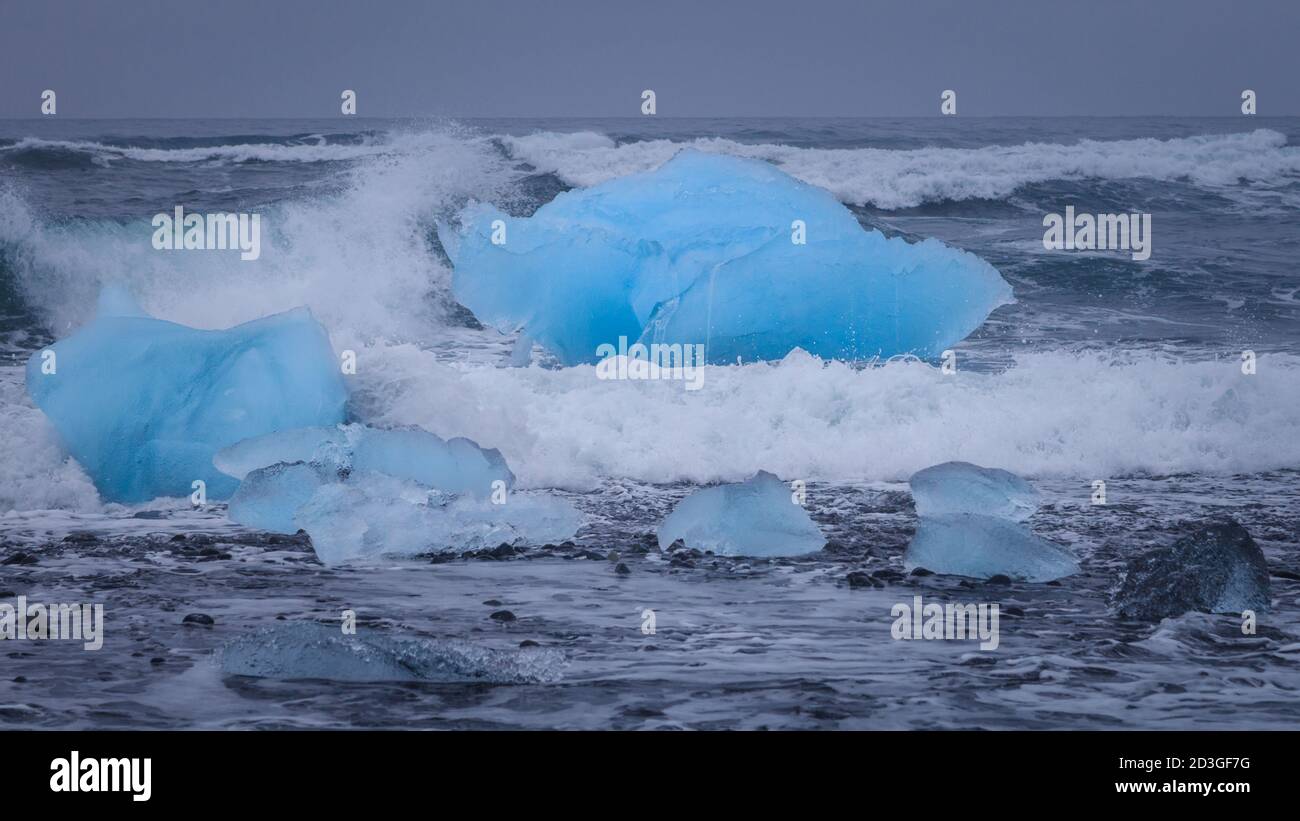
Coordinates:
(906, 178)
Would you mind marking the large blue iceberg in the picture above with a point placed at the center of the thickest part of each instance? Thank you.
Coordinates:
(705, 250)
(754, 518)
(143, 404)
(361, 492)
(971, 523)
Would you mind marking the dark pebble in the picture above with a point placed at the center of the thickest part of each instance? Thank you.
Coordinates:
(921, 571)
(493, 602)
(21, 558)
(503, 615)
(998, 579)
(622, 569)
(529, 643)
(859, 579)
(198, 618)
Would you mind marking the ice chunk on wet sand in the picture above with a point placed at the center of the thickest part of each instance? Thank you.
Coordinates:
(307, 650)
(361, 492)
(970, 525)
(754, 518)
(373, 515)
(966, 544)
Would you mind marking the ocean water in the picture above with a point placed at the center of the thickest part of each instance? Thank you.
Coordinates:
(1105, 368)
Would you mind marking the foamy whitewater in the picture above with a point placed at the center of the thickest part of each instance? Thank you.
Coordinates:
(1105, 368)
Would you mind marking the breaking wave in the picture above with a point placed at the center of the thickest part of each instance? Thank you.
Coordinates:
(893, 178)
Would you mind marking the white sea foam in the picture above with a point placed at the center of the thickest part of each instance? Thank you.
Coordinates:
(1052, 414)
(361, 260)
(35, 473)
(891, 178)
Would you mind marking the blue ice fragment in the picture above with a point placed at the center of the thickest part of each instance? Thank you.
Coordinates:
(452, 466)
(965, 544)
(330, 446)
(361, 492)
(703, 251)
(316, 651)
(143, 404)
(971, 525)
(371, 515)
(960, 487)
(754, 518)
(268, 497)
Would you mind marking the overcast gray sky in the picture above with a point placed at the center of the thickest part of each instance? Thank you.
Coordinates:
(292, 58)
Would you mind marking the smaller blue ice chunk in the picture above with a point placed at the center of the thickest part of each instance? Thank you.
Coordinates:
(966, 544)
(960, 487)
(971, 524)
(361, 492)
(371, 515)
(450, 465)
(758, 517)
(269, 497)
(143, 404)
